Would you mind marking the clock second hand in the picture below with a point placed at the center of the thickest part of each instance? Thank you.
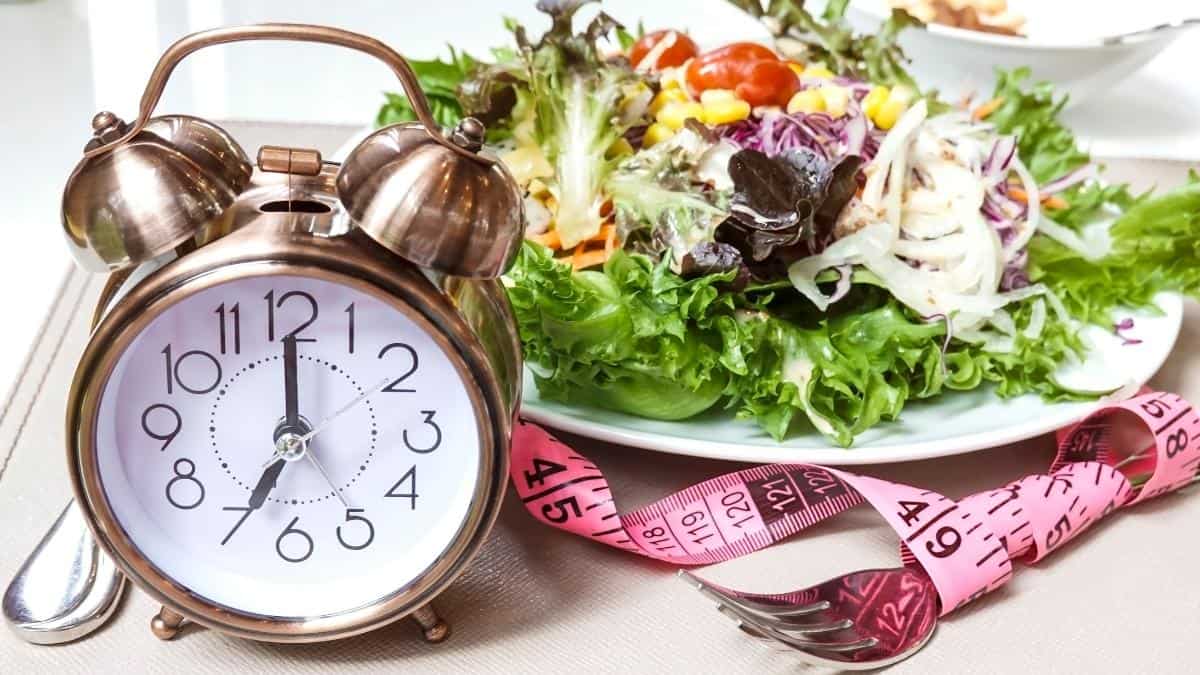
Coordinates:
(330, 419)
(312, 457)
(323, 424)
(308, 451)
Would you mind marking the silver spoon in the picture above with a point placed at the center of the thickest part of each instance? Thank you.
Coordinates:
(67, 588)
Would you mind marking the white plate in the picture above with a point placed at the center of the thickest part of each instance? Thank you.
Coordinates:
(953, 423)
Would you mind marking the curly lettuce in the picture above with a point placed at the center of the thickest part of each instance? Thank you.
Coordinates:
(637, 338)
(1154, 239)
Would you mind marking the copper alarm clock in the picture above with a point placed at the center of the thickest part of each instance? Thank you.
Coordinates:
(291, 422)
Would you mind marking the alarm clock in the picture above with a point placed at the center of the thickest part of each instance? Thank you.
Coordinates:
(292, 420)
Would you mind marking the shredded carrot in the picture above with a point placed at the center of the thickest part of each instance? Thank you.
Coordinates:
(1054, 202)
(583, 259)
(549, 239)
(610, 241)
(1049, 201)
(986, 109)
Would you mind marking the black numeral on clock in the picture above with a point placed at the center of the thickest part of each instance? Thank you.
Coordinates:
(409, 477)
(246, 511)
(196, 372)
(185, 491)
(294, 536)
(394, 386)
(350, 328)
(272, 304)
(235, 313)
(166, 411)
(437, 435)
(356, 532)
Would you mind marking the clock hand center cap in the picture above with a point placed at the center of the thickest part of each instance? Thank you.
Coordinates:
(290, 446)
(289, 440)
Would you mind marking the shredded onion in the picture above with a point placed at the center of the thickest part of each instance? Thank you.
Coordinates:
(1032, 213)
(1037, 320)
(1095, 243)
(1070, 179)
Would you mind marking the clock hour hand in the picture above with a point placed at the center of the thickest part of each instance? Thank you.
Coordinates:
(266, 483)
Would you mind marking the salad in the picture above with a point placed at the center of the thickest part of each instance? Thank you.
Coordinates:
(798, 234)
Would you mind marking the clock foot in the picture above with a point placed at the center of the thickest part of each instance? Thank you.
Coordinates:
(433, 628)
(166, 624)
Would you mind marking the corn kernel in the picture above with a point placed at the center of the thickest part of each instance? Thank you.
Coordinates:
(797, 67)
(725, 112)
(665, 97)
(806, 101)
(717, 95)
(818, 70)
(836, 99)
(889, 112)
(656, 133)
(897, 102)
(675, 114)
(620, 148)
(874, 100)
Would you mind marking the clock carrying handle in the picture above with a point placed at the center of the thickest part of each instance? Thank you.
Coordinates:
(292, 32)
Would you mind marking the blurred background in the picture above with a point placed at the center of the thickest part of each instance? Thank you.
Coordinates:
(63, 60)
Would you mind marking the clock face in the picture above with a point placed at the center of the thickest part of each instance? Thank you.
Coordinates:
(286, 446)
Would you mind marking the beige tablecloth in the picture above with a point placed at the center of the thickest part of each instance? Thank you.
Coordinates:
(1125, 598)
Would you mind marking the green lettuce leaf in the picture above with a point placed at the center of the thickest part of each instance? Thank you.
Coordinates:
(1155, 239)
(1155, 248)
(638, 338)
(1031, 113)
(635, 337)
(440, 80)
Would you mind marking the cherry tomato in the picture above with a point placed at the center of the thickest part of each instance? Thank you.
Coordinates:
(751, 70)
(675, 55)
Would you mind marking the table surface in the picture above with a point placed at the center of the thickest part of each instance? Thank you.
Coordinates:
(63, 60)
(1122, 598)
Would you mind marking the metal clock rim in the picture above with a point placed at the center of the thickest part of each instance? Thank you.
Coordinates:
(161, 291)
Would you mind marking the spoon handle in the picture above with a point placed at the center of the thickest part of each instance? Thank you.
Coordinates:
(67, 588)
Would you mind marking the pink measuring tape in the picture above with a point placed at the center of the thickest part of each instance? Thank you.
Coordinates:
(966, 547)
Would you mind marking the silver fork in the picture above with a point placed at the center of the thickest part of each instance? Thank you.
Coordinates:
(858, 621)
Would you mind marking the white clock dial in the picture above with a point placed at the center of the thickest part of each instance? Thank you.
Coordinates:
(207, 469)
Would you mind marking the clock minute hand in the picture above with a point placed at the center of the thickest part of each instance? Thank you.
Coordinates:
(290, 394)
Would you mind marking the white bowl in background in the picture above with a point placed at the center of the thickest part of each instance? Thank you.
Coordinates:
(1065, 44)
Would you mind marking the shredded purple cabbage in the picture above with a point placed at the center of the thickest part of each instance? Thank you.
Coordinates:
(1015, 275)
(774, 133)
(1120, 327)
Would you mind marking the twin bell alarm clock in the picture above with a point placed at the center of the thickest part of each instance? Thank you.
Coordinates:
(292, 420)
